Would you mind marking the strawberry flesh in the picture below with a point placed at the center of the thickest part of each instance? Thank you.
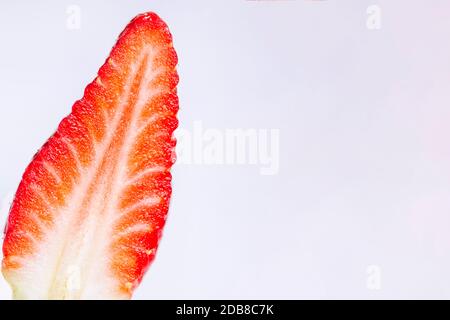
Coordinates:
(88, 214)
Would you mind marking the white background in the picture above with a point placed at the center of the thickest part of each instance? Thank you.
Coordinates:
(365, 140)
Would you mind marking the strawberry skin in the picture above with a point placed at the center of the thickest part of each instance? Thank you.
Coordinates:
(90, 209)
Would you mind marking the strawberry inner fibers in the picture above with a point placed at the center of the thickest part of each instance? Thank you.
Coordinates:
(89, 212)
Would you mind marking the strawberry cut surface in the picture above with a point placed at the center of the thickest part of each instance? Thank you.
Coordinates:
(90, 209)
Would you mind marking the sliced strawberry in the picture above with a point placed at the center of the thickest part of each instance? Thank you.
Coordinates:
(89, 212)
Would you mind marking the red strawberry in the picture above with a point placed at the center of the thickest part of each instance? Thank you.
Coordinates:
(89, 212)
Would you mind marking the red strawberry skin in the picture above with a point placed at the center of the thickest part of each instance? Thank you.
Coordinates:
(90, 209)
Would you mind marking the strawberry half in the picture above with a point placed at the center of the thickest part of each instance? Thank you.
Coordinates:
(89, 212)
